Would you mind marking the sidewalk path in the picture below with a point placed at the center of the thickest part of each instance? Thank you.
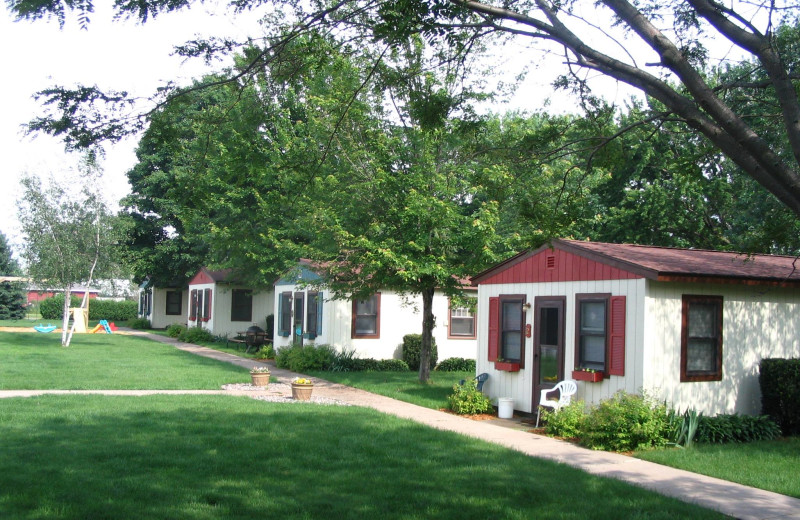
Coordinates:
(726, 497)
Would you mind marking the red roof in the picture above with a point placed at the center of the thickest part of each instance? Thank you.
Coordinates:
(672, 264)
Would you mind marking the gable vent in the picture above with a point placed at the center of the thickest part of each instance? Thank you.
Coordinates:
(550, 262)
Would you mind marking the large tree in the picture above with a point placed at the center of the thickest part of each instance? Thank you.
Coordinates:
(674, 71)
(68, 238)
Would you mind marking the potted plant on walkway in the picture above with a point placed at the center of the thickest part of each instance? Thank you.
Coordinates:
(302, 388)
(260, 376)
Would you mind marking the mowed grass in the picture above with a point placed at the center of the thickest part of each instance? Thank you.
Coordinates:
(220, 457)
(771, 465)
(34, 361)
(404, 386)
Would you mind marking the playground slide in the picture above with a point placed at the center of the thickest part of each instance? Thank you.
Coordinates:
(97, 328)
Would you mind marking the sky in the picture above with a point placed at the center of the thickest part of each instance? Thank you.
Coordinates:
(132, 57)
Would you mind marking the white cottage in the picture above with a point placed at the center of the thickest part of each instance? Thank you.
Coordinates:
(223, 306)
(688, 326)
(163, 306)
(306, 312)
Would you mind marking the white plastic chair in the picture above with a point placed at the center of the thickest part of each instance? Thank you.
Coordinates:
(566, 389)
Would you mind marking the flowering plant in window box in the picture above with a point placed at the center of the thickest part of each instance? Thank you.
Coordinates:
(587, 374)
(506, 366)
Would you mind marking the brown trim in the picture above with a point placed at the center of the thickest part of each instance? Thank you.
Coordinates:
(686, 301)
(450, 335)
(579, 298)
(377, 334)
(728, 280)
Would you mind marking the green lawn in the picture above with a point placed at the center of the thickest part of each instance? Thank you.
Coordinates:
(770, 465)
(220, 457)
(404, 386)
(33, 361)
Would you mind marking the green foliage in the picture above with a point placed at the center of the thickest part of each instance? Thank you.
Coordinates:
(175, 330)
(467, 400)
(456, 364)
(566, 422)
(196, 335)
(780, 392)
(726, 428)
(684, 427)
(412, 346)
(111, 310)
(139, 323)
(393, 365)
(12, 294)
(53, 308)
(305, 358)
(626, 422)
(266, 352)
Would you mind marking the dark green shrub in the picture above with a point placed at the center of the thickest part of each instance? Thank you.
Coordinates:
(175, 330)
(412, 345)
(467, 400)
(306, 358)
(566, 422)
(111, 310)
(139, 323)
(53, 308)
(12, 301)
(726, 428)
(626, 422)
(780, 393)
(196, 335)
(392, 365)
(456, 364)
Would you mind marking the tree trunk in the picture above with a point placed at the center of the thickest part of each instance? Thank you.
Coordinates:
(65, 317)
(428, 322)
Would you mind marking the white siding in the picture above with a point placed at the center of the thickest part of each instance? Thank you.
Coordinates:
(758, 322)
(159, 319)
(398, 316)
(220, 321)
(519, 385)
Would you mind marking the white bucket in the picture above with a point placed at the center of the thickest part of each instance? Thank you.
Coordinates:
(505, 407)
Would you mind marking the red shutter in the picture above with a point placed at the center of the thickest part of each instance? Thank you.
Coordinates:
(193, 305)
(494, 327)
(616, 366)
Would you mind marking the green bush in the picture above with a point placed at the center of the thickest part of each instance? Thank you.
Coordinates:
(305, 358)
(392, 365)
(139, 323)
(53, 308)
(266, 352)
(726, 428)
(175, 330)
(456, 364)
(467, 400)
(111, 310)
(412, 345)
(196, 335)
(780, 392)
(626, 422)
(567, 422)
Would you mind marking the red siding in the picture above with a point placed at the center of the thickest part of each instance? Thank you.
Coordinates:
(201, 278)
(568, 268)
(36, 296)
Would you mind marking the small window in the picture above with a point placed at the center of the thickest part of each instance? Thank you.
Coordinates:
(194, 303)
(701, 338)
(591, 334)
(242, 305)
(462, 322)
(366, 317)
(512, 323)
(205, 308)
(174, 303)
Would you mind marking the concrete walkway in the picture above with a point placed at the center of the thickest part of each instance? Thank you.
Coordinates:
(726, 497)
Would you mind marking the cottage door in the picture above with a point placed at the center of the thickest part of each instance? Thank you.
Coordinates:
(299, 312)
(548, 344)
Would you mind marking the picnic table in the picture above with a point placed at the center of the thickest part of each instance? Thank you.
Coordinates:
(254, 339)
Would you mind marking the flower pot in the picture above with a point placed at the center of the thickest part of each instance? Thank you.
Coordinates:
(302, 392)
(260, 379)
(591, 377)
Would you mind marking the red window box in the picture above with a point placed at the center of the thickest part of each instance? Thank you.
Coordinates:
(506, 366)
(592, 377)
